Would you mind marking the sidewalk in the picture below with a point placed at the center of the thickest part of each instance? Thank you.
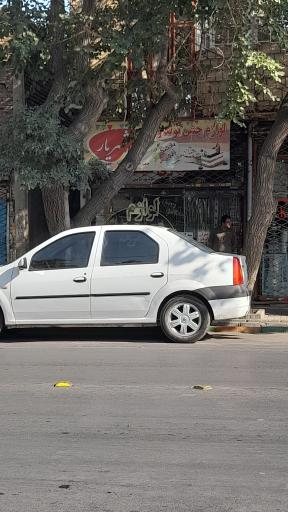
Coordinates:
(269, 318)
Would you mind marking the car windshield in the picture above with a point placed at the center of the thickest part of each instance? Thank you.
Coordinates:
(191, 241)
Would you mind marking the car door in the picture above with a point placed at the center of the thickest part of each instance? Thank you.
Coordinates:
(130, 267)
(55, 286)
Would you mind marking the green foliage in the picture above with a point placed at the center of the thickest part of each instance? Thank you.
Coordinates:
(251, 72)
(274, 15)
(22, 33)
(42, 152)
(124, 28)
(97, 171)
(104, 39)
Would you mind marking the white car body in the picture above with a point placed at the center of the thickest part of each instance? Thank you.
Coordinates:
(125, 294)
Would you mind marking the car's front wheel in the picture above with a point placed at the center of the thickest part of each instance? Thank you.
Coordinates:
(184, 319)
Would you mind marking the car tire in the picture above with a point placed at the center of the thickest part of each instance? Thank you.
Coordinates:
(184, 319)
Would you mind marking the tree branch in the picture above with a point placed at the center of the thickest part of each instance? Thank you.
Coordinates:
(57, 55)
(105, 193)
(162, 71)
(155, 117)
(88, 7)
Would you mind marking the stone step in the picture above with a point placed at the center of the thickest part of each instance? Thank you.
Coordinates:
(260, 315)
(251, 323)
(250, 329)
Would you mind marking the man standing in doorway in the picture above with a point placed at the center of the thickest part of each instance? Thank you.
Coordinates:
(223, 239)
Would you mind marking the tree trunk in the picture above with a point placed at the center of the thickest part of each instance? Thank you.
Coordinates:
(56, 208)
(96, 98)
(95, 102)
(55, 198)
(264, 204)
(126, 168)
(58, 64)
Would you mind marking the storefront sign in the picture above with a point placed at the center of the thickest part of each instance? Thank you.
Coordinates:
(143, 211)
(108, 143)
(184, 146)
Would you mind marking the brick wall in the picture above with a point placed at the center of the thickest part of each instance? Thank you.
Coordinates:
(212, 87)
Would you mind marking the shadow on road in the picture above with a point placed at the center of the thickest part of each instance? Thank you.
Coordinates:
(107, 334)
(147, 334)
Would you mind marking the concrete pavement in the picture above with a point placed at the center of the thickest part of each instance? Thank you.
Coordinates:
(132, 435)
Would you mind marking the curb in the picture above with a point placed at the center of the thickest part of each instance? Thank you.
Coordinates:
(261, 329)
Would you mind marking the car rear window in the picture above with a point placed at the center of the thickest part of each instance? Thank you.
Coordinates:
(191, 241)
(128, 248)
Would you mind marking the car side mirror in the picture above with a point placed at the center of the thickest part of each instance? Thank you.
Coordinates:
(22, 264)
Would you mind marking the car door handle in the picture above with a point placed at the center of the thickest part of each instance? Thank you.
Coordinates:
(80, 279)
(157, 274)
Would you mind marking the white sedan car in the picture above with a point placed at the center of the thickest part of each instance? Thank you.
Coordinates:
(124, 275)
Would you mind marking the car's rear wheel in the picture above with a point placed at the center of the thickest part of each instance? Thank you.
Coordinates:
(184, 319)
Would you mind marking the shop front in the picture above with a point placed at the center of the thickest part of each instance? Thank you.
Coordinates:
(273, 281)
(191, 211)
(192, 175)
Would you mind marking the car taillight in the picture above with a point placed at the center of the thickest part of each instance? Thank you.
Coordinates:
(238, 277)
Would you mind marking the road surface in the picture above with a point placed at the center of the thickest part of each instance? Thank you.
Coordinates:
(131, 434)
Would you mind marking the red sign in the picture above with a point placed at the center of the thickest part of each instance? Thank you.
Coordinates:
(109, 146)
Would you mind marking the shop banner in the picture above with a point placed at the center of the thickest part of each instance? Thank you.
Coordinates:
(107, 142)
(184, 146)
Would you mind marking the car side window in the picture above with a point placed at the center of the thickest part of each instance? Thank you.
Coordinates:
(71, 251)
(128, 248)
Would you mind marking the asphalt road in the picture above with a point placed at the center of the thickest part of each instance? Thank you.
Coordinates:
(131, 434)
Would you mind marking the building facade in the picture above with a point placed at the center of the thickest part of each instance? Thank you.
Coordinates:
(272, 284)
(194, 201)
(191, 201)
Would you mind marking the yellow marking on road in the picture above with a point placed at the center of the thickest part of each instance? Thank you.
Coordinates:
(63, 384)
